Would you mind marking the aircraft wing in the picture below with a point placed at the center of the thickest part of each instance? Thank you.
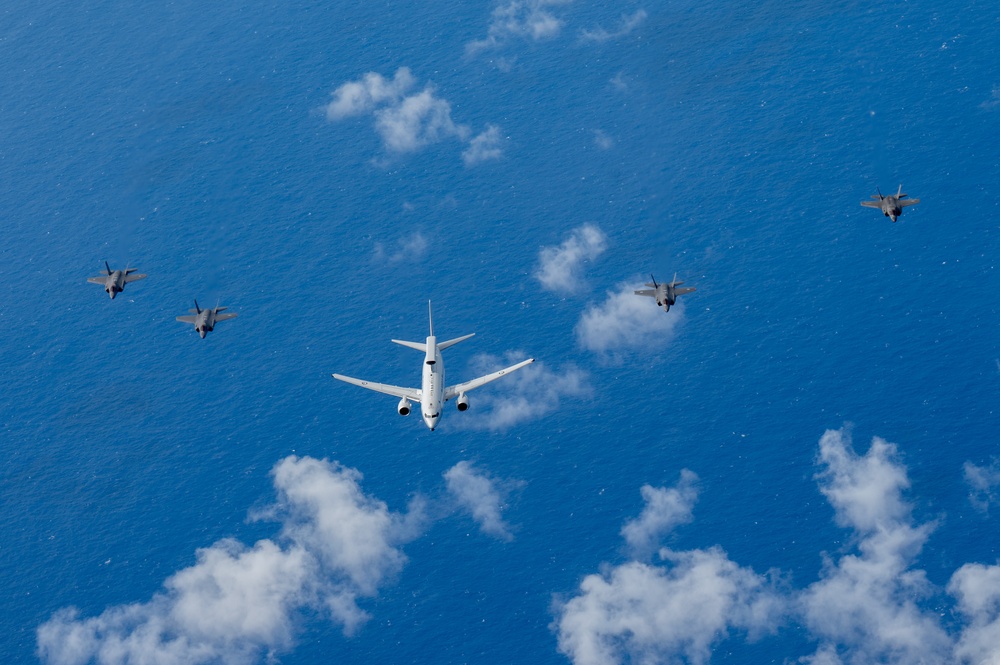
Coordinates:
(686, 289)
(907, 202)
(456, 390)
(134, 278)
(188, 319)
(646, 292)
(224, 317)
(872, 204)
(98, 280)
(395, 391)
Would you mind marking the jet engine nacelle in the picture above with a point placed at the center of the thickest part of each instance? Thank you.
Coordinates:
(404, 407)
(462, 403)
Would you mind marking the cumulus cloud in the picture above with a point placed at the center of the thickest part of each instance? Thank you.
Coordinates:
(409, 249)
(865, 606)
(602, 140)
(626, 25)
(527, 394)
(520, 19)
(642, 613)
(627, 322)
(481, 496)
(666, 508)
(483, 147)
(238, 603)
(976, 587)
(560, 268)
(869, 605)
(982, 482)
(408, 120)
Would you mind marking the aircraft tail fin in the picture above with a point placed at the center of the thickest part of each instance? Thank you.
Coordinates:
(108, 267)
(430, 318)
(419, 346)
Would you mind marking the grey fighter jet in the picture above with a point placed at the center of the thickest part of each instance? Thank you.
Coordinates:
(892, 205)
(204, 320)
(115, 280)
(434, 392)
(665, 294)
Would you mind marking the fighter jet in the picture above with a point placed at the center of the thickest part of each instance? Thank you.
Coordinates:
(433, 393)
(665, 294)
(892, 205)
(204, 320)
(115, 280)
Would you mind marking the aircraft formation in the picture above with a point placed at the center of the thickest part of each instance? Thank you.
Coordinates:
(433, 391)
(204, 320)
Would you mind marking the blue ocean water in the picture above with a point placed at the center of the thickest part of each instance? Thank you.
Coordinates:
(190, 141)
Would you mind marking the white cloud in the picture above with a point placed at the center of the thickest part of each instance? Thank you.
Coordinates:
(527, 394)
(560, 268)
(666, 508)
(982, 481)
(602, 140)
(409, 249)
(643, 613)
(484, 147)
(520, 19)
(237, 603)
(479, 495)
(977, 589)
(869, 605)
(408, 121)
(417, 121)
(627, 322)
(865, 606)
(358, 97)
(626, 25)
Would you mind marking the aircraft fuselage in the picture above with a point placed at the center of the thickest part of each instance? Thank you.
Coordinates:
(432, 385)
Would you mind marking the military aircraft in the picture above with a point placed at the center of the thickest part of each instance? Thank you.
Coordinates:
(115, 280)
(433, 393)
(665, 294)
(204, 320)
(892, 205)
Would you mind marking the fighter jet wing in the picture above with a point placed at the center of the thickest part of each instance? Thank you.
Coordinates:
(98, 280)
(646, 292)
(134, 278)
(456, 390)
(188, 319)
(395, 391)
(686, 289)
(908, 202)
(224, 317)
(872, 204)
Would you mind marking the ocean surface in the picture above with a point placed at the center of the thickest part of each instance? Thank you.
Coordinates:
(729, 143)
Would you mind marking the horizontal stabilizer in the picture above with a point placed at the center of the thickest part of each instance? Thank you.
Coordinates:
(419, 346)
(452, 342)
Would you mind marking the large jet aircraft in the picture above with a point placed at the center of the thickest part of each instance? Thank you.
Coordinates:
(665, 294)
(204, 320)
(433, 393)
(892, 205)
(115, 280)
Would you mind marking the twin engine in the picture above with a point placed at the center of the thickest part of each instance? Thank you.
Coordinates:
(404, 407)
